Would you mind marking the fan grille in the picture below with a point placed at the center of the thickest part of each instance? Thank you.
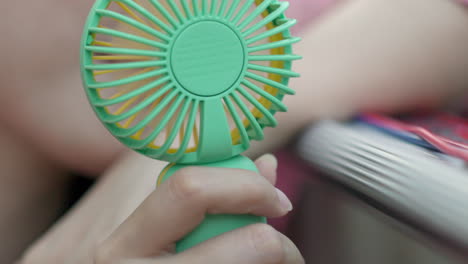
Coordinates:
(129, 76)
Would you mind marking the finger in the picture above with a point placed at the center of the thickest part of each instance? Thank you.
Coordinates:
(267, 166)
(255, 244)
(292, 254)
(181, 203)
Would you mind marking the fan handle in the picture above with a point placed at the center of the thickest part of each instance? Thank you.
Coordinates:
(214, 225)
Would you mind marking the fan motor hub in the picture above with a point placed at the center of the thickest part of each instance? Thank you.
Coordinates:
(207, 58)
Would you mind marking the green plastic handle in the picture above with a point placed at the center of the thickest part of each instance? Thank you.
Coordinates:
(214, 225)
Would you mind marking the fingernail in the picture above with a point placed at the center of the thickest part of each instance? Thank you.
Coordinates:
(284, 200)
(269, 159)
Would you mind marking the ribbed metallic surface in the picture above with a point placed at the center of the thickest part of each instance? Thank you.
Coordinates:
(400, 176)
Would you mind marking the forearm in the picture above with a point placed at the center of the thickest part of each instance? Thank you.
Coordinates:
(375, 54)
(102, 209)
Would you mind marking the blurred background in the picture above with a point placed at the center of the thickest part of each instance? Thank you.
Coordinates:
(335, 227)
(46, 122)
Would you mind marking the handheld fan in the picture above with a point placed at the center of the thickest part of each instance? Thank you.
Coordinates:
(189, 82)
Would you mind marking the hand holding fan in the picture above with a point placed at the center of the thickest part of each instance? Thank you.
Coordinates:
(189, 82)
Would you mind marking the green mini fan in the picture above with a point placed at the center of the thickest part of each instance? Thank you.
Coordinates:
(189, 81)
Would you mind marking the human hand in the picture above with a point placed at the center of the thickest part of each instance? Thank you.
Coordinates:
(166, 215)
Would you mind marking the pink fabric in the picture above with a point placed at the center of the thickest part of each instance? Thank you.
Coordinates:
(306, 10)
(292, 173)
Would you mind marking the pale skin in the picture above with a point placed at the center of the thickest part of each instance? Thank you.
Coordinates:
(363, 54)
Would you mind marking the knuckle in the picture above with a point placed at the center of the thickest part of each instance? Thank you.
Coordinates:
(257, 191)
(267, 243)
(184, 184)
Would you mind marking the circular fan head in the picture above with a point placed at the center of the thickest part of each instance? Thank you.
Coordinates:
(187, 81)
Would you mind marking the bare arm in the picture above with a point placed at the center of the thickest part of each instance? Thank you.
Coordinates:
(379, 54)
